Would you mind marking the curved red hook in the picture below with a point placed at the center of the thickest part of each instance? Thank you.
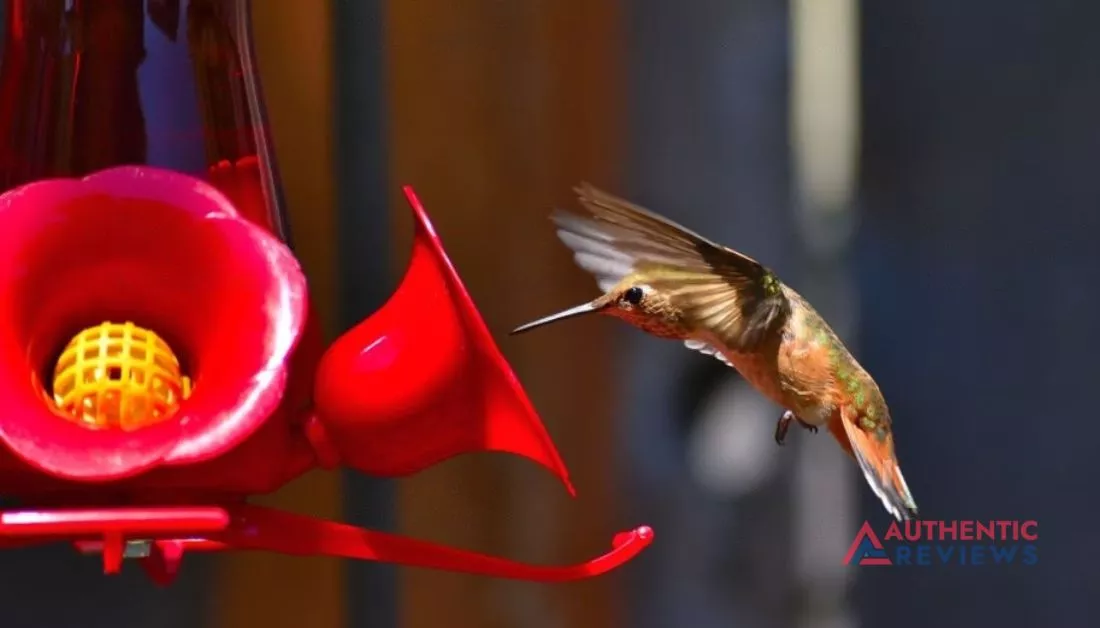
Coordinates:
(255, 527)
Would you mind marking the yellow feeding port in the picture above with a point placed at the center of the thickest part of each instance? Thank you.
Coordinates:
(118, 376)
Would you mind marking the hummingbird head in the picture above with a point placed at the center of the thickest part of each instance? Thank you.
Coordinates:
(633, 300)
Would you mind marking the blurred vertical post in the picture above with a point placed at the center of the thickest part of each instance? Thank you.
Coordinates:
(825, 117)
(365, 247)
(293, 46)
(496, 110)
(709, 147)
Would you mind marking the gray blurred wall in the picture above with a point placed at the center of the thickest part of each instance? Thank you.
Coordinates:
(979, 266)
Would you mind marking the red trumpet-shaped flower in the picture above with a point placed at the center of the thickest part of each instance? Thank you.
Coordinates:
(421, 379)
(171, 254)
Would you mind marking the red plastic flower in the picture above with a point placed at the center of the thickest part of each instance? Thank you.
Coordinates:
(171, 254)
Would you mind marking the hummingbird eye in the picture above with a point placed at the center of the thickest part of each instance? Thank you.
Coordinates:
(634, 295)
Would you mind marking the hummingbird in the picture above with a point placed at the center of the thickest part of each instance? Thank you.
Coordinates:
(673, 283)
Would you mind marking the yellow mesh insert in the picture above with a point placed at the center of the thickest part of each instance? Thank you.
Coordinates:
(118, 376)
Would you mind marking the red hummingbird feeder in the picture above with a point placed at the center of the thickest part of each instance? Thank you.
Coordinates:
(159, 362)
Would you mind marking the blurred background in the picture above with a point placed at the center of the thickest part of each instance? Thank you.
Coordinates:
(924, 172)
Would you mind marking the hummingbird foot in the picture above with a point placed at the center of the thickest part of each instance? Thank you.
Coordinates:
(784, 424)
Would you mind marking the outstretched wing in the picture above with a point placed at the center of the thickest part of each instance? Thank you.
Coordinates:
(716, 288)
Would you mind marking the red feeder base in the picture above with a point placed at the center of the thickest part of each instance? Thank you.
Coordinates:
(159, 536)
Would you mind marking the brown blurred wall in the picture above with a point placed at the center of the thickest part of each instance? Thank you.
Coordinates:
(496, 109)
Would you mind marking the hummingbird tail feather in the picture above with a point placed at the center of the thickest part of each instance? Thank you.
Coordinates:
(879, 464)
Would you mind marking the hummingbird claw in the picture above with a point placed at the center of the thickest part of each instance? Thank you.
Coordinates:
(784, 424)
(806, 426)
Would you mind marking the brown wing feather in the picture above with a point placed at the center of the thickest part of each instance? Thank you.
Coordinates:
(717, 288)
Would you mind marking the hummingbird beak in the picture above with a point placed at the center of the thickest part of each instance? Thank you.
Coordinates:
(584, 308)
